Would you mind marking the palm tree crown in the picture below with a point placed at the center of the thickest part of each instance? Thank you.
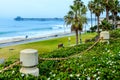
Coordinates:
(76, 17)
(97, 9)
(115, 9)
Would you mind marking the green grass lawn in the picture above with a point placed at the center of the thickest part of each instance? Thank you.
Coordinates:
(41, 46)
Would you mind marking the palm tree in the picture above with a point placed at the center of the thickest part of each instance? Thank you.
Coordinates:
(115, 9)
(107, 4)
(90, 6)
(97, 10)
(76, 17)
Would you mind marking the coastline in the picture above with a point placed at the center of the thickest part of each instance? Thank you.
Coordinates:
(23, 40)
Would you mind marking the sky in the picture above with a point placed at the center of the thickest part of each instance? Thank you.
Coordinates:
(35, 8)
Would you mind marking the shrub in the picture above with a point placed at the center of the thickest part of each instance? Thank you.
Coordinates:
(115, 33)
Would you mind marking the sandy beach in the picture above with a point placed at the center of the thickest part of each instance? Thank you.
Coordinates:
(22, 40)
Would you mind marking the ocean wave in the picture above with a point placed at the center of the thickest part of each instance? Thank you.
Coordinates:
(38, 29)
(57, 27)
(7, 32)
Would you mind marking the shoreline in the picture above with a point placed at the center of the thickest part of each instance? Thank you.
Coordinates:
(23, 40)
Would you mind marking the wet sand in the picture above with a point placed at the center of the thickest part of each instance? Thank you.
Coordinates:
(23, 40)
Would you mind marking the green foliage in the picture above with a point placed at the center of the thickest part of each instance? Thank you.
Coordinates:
(117, 17)
(115, 33)
(76, 17)
(102, 62)
(105, 25)
(93, 28)
(65, 52)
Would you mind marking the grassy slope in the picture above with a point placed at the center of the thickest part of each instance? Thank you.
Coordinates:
(102, 62)
(41, 46)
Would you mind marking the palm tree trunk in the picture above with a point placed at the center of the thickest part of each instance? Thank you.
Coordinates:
(95, 20)
(112, 20)
(107, 14)
(115, 21)
(98, 23)
(91, 19)
(76, 31)
(80, 37)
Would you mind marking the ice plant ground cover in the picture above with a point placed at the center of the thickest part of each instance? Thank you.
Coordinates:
(102, 62)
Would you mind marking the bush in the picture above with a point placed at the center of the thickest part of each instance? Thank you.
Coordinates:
(94, 28)
(65, 52)
(115, 33)
(105, 25)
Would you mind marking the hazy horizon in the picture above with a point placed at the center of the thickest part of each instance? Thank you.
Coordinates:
(36, 8)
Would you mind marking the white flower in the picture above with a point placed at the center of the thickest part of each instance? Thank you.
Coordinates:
(22, 75)
(88, 78)
(119, 54)
(99, 72)
(89, 69)
(113, 71)
(54, 75)
(108, 51)
(81, 65)
(69, 62)
(97, 78)
(58, 79)
(13, 71)
(48, 78)
(112, 55)
(77, 75)
(99, 64)
(50, 73)
(83, 72)
(71, 75)
(84, 69)
(92, 71)
(111, 64)
(94, 75)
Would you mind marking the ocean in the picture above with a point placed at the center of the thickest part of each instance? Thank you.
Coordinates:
(10, 28)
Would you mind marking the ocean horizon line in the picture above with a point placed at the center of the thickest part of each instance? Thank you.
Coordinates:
(19, 18)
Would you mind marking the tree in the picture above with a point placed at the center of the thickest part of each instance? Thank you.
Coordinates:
(76, 17)
(105, 25)
(97, 10)
(107, 4)
(90, 6)
(115, 9)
